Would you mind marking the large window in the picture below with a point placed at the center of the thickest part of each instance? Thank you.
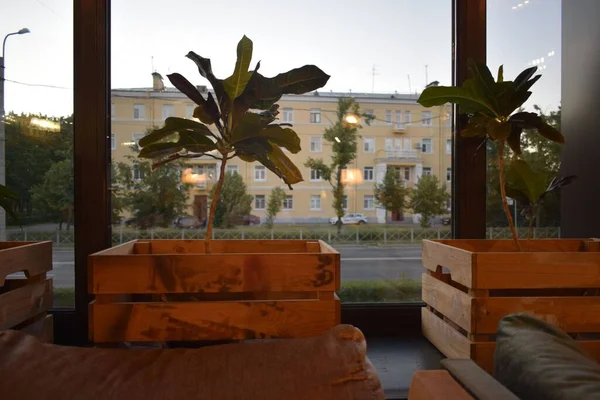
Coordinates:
(316, 144)
(36, 158)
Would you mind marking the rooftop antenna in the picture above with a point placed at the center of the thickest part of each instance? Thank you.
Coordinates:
(373, 72)
(152, 63)
(409, 87)
(426, 80)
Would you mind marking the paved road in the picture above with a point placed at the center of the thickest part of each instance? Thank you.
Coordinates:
(358, 263)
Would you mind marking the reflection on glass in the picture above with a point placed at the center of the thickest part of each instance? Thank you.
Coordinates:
(374, 64)
(38, 108)
(537, 44)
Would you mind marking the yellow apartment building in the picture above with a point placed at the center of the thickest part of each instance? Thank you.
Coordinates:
(404, 135)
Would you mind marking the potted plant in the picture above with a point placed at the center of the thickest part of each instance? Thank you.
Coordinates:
(242, 288)
(472, 284)
(24, 302)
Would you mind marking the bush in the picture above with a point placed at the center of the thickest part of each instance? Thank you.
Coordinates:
(396, 290)
(64, 297)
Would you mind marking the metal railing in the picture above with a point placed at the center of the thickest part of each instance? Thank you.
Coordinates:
(349, 234)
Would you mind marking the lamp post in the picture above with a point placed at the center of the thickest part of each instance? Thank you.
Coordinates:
(2, 133)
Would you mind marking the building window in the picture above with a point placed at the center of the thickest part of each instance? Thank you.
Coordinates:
(369, 202)
(448, 146)
(345, 202)
(167, 111)
(370, 112)
(316, 144)
(233, 169)
(113, 110)
(426, 146)
(288, 115)
(288, 202)
(426, 171)
(260, 173)
(389, 144)
(139, 111)
(315, 116)
(407, 117)
(448, 175)
(315, 202)
(399, 119)
(369, 144)
(368, 174)
(259, 202)
(388, 117)
(138, 174)
(113, 141)
(136, 138)
(407, 174)
(315, 174)
(426, 118)
(189, 111)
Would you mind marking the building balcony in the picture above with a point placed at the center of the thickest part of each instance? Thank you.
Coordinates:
(407, 156)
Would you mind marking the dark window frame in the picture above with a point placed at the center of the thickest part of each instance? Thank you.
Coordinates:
(92, 110)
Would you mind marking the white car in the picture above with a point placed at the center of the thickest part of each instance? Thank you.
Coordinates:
(353, 218)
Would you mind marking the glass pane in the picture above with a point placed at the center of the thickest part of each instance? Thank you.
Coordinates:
(537, 43)
(375, 65)
(38, 157)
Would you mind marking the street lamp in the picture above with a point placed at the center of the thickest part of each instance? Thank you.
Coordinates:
(2, 133)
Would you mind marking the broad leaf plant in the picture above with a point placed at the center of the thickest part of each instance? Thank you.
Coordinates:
(244, 113)
(493, 107)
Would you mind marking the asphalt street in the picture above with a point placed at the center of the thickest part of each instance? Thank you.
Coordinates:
(358, 263)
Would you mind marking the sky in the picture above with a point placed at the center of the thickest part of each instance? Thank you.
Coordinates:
(348, 39)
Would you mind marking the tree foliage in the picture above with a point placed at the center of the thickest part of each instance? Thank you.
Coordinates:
(428, 198)
(234, 201)
(156, 198)
(55, 195)
(274, 205)
(391, 193)
(343, 138)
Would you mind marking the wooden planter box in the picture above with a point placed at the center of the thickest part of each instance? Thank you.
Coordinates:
(24, 301)
(171, 290)
(471, 284)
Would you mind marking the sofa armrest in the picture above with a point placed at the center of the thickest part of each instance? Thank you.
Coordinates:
(436, 385)
(476, 381)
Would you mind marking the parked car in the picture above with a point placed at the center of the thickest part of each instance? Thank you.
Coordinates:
(189, 223)
(352, 218)
(249, 220)
(446, 220)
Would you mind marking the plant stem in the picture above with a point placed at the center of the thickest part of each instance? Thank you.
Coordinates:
(511, 223)
(530, 231)
(213, 204)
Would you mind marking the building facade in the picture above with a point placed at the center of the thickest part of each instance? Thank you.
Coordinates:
(403, 135)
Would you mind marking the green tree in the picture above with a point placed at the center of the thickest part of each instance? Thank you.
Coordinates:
(391, 193)
(343, 137)
(54, 196)
(155, 198)
(233, 202)
(428, 198)
(274, 205)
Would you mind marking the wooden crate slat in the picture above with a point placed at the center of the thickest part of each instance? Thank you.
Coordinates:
(448, 300)
(43, 328)
(502, 245)
(458, 261)
(444, 336)
(148, 322)
(31, 257)
(537, 270)
(177, 246)
(211, 273)
(23, 303)
(571, 314)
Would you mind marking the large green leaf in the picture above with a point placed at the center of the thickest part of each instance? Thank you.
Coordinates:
(469, 102)
(7, 198)
(249, 126)
(160, 149)
(6, 193)
(196, 142)
(203, 112)
(520, 178)
(236, 83)
(483, 84)
(500, 74)
(174, 125)
(261, 92)
(205, 69)
(529, 120)
(289, 172)
(282, 137)
(514, 139)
